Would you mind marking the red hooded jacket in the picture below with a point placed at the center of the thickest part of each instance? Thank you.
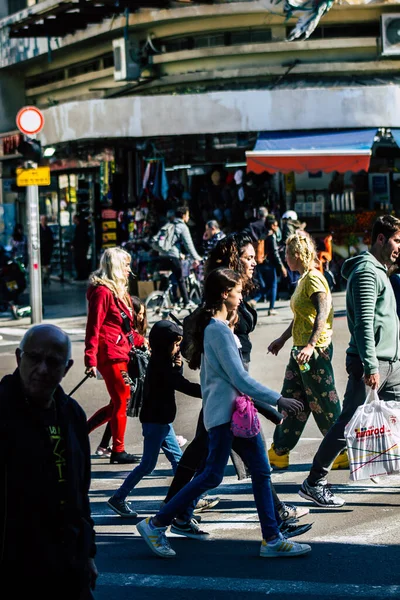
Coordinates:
(105, 338)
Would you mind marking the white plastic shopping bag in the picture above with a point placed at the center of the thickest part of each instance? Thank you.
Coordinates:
(373, 438)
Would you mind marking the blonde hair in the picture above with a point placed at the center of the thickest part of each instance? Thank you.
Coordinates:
(302, 246)
(111, 273)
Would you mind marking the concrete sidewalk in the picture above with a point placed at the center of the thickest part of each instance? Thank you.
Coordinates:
(62, 302)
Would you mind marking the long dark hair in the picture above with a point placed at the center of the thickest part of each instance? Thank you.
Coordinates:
(227, 253)
(216, 283)
(140, 327)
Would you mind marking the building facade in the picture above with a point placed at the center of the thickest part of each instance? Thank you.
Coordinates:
(162, 91)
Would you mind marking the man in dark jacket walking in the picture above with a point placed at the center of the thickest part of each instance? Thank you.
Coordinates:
(47, 539)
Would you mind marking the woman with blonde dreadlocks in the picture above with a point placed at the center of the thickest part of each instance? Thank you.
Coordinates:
(110, 336)
(309, 373)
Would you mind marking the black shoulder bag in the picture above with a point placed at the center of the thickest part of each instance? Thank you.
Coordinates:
(137, 366)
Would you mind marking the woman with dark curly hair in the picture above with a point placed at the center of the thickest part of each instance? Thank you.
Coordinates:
(236, 252)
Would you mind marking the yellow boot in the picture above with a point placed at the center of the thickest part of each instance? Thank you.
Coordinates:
(341, 461)
(280, 462)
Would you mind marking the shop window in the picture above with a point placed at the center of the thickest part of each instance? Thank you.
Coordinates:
(45, 78)
(350, 30)
(250, 36)
(82, 69)
(209, 41)
(108, 60)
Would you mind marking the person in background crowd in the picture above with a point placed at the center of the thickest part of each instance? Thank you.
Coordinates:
(290, 224)
(222, 375)
(164, 377)
(46, 248)
(269, 270)
(47, 537)
(211, 237)
(110, 336)
(80, 246)
(183, 243)
(258, 229)
(309, 374)
(19, 244)
(372, 359)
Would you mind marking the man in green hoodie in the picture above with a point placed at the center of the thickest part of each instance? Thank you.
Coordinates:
(372, 357)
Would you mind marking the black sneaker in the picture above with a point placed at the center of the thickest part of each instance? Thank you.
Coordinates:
(289, 530)
(320, 494)
(123, 458)
(121, 507)
(190, 530)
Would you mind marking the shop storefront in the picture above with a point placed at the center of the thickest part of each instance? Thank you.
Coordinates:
(337, 181)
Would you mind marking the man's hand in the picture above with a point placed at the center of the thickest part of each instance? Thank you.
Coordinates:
(276, 345)
(284, 272)
(290, 405)
(195, 264)
(93, 573)
(372, 381)
(91, 371)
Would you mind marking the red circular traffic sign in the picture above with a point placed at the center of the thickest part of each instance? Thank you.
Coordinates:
(30, 120)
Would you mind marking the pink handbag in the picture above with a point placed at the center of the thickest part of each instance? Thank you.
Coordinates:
(245, 422)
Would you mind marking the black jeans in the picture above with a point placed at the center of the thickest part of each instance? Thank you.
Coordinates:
(175, 265)
(356, 392)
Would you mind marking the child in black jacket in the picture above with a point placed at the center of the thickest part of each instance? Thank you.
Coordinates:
(164, 376)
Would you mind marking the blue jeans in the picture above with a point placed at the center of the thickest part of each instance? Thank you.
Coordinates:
(268, 279)
(254, 455)
(156, 436)
(355, 395)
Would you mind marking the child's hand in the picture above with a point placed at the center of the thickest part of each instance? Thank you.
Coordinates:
(178, 359)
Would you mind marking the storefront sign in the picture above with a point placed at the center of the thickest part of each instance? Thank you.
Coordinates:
(39, 176)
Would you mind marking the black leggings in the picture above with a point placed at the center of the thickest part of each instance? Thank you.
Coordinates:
(193, 459)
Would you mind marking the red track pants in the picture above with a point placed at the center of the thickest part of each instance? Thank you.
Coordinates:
(115, 377)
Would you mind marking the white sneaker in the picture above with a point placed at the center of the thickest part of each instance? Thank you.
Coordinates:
(283, 548)
(105, 452)
(155, 538)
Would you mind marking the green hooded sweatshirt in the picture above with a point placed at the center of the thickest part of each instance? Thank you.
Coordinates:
(371, 312)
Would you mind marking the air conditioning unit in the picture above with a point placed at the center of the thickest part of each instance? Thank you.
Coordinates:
(390, 34)
(126, 59)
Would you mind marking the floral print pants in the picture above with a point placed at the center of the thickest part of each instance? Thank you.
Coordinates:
(316, 389)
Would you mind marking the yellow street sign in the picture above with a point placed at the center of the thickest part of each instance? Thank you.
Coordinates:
(39, 176)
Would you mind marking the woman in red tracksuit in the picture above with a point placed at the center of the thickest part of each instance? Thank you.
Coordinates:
(108, 342)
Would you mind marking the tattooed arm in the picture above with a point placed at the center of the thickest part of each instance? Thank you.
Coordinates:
(320, 301)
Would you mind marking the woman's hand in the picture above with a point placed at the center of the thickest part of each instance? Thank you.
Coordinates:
(305, 354)
(276, 345)
(91, 371)
(290, 405)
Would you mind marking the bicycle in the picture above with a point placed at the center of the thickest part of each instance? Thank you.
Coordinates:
(161, 302)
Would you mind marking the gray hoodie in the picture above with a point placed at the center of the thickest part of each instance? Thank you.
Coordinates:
(371, 312)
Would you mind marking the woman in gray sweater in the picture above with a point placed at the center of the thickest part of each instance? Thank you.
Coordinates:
(223, 378)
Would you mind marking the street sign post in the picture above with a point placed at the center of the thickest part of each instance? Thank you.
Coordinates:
(30, 121)
(39, 176)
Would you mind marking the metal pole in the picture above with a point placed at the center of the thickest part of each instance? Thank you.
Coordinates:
(35, 272)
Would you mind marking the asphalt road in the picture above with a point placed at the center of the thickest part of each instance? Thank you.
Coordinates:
(355, 549)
